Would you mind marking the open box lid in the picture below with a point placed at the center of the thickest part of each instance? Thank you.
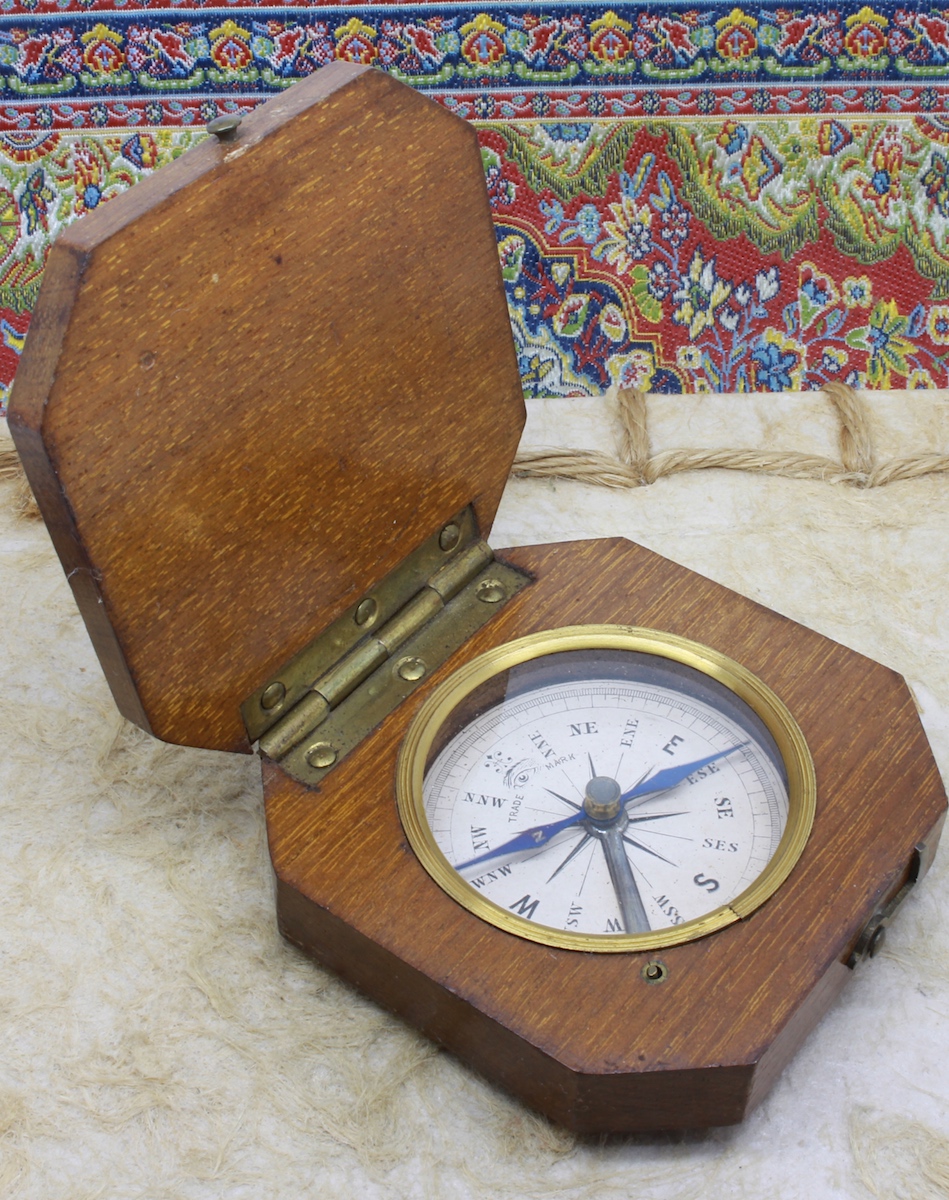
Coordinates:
(257, 380)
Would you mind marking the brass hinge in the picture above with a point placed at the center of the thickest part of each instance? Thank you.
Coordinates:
(321, 704)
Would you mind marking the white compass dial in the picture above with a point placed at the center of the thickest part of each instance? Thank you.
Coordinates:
(608, 806)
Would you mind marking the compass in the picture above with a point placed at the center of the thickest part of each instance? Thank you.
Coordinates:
(613, 834)
(606, 789)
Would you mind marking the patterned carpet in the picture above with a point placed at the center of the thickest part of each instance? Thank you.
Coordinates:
(686, 199)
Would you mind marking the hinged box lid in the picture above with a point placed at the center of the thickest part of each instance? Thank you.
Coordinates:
(258, 379)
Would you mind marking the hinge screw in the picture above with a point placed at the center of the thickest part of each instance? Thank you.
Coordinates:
(322, 754)
(490, 591)
(448, 538)
(365, 611)
(272, 694)
(410, 669)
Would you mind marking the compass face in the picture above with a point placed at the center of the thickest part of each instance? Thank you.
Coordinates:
(606, 789)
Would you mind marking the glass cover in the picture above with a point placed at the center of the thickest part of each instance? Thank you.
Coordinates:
(605, 793)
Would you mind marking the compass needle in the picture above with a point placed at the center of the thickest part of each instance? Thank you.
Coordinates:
(624, 885)
(528, 839)
(669, 777)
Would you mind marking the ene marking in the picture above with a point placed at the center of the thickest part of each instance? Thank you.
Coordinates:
(629, 733)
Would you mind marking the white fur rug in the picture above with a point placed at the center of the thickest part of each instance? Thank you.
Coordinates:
(157, 1039)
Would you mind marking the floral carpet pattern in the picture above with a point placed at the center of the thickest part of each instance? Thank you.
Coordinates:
(686, 199)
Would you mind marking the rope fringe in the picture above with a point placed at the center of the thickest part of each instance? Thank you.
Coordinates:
(636, 466)
(23, 503)
(856, 448)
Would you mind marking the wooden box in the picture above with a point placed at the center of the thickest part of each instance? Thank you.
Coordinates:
(278, 376)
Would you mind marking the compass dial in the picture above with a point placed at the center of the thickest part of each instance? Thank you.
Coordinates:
(613, 789)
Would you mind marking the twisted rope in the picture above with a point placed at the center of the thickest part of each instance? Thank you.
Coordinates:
(10, 468)
(637, 466)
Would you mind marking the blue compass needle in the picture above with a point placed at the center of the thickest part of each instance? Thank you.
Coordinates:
(530, 839)
(540, 835)
(668, 777)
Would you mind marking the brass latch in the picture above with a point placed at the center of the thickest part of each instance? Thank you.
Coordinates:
(326, 699)
(873, 935)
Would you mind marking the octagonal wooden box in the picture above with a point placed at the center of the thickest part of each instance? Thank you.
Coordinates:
(266, 395)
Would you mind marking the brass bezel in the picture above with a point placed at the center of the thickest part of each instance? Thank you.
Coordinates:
(802, 783)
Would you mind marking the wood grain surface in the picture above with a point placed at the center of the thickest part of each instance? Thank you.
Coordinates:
(260, 377)
(581, 1036)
